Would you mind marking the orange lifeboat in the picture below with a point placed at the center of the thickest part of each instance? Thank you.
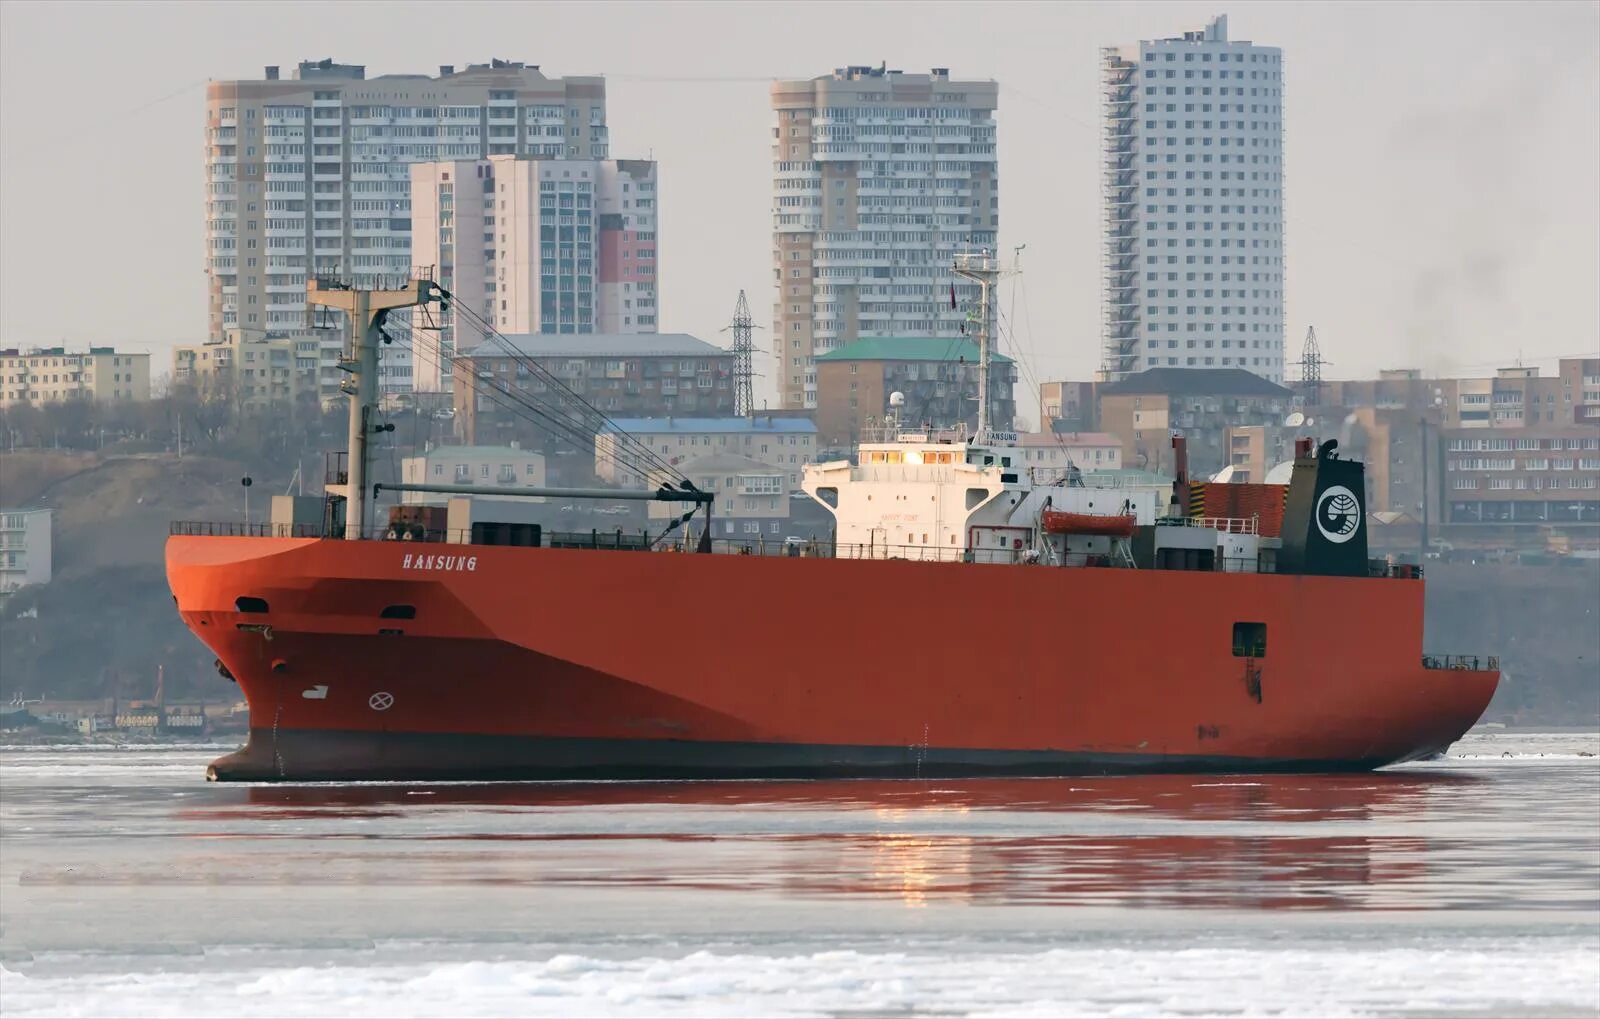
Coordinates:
(1118, 526)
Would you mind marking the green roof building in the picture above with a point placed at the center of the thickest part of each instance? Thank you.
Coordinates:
(938, 376)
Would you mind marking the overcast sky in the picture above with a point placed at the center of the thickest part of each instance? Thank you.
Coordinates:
(1442, 160)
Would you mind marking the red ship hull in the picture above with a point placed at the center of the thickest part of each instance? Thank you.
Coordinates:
(529, 663)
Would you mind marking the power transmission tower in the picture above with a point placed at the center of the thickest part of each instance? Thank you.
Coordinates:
(1311, 363)
(742, 327)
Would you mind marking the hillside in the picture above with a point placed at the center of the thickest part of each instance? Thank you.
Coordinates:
(105, 622)
(1542, 621)
(116, 511)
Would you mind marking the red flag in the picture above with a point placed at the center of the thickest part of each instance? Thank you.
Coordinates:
(952, 297)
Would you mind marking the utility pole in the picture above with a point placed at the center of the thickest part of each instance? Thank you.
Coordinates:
(1422, 554)
(743, 329)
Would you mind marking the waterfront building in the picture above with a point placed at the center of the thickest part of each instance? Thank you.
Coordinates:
(25, 536)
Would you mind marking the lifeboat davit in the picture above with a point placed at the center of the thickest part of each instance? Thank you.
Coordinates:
(1114, 526)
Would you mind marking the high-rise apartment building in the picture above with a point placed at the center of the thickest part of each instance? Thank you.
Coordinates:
(879, 178)
(310, 176)
(534, 245)
(1193, 190)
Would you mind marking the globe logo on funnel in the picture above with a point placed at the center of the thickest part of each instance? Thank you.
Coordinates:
(1338, 514)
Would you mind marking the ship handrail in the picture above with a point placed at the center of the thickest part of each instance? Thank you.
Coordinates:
(1225, 525)
(1462, 663)
(811, 547)
(238, 529)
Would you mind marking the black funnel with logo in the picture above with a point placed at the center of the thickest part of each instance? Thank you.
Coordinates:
(1325, 519)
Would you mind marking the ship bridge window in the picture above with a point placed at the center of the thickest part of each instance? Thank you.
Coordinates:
(1249, 640)
(244, 603)
(398, 612)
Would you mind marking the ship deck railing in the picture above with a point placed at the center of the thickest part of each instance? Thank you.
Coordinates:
(1225, 525)
(237, 529)
(617, 539)
(1462, 663)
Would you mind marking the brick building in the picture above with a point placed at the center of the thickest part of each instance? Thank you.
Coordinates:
(937, 375)
(1204, 403)
(1529, 475)
(623, 375)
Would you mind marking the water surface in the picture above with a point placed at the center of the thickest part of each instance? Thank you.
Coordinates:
(1471, 885)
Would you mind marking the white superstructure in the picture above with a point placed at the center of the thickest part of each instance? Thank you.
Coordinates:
(923, 496)
(973, 497)
(1193, 189)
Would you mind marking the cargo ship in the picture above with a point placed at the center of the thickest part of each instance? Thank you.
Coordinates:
(968, 616)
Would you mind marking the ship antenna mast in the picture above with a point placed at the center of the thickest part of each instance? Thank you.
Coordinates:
(981, 268)
(366, 310)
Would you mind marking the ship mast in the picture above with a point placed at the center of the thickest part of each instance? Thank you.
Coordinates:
(981, 268)
(366, 311)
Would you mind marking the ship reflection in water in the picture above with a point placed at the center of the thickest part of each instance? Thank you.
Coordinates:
(1366, 842)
